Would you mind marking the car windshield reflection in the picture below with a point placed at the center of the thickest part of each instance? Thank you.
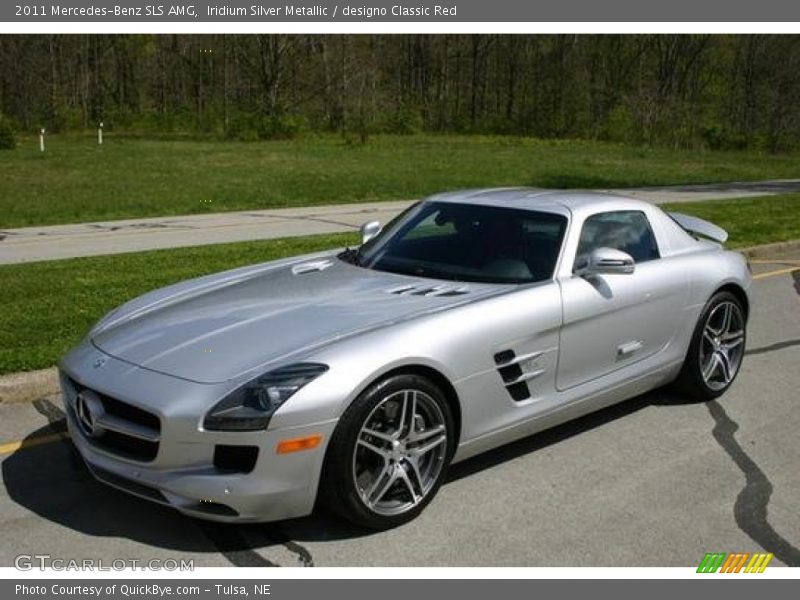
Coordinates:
(466, 242)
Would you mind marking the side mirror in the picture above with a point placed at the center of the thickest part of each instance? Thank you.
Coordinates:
(369, 231)
(602, 261)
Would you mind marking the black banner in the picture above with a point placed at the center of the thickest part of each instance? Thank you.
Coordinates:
(414, 10)
(734, 588)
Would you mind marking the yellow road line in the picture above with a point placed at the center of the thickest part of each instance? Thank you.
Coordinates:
(776, 261)
(10, 447)
(778, 272)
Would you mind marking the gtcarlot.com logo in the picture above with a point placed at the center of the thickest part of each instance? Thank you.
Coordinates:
(736, 562)
(28, 562)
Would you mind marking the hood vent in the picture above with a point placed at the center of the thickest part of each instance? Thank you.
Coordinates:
(309, 267)
(429, 290)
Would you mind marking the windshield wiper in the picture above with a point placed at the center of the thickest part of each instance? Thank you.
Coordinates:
(351, 255)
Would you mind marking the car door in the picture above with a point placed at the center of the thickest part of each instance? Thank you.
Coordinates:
(613, 321)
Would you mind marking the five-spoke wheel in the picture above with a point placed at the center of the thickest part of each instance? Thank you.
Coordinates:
(388, 456)
(723, 345)
(400, 452)
(717, 348)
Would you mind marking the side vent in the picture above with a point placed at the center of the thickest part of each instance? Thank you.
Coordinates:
(428, 290)
(510, 366)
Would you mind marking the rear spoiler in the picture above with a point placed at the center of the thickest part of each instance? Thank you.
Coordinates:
(700, 227)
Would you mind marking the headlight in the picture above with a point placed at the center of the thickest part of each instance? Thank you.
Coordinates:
(250, 407)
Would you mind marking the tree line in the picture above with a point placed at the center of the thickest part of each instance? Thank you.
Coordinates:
(710, 91)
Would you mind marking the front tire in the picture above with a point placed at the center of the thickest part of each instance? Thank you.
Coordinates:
(716, 350)
(389, 453)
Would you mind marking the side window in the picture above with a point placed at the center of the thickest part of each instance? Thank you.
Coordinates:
(626, 230)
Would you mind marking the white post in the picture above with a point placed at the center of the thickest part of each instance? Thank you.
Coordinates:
(100, 134)
(41, 139)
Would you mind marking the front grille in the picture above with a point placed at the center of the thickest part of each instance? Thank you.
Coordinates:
(129, 431)
(126, 446)
(130, 413)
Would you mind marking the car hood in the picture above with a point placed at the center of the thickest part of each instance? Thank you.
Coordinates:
(215, 329)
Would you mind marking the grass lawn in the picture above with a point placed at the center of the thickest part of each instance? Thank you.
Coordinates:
(48, 306)
(750, 221)
(77, 181)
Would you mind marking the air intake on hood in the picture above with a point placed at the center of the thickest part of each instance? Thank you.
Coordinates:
(429, 290)
(317, 265)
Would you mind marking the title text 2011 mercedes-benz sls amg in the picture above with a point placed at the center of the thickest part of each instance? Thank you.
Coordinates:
(356, 377)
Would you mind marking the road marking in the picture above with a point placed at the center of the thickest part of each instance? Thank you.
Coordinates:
(10, 447)
(778, 272)
(776, 261)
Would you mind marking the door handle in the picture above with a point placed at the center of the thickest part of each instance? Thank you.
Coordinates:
(628, 348)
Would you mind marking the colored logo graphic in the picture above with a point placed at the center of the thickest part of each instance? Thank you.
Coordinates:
(737, 562)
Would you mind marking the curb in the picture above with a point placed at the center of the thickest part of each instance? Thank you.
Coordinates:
(28, 386)
(32, 385)
(768, 249)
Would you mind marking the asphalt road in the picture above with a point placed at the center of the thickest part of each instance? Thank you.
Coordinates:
(655, 481)
(133, 235)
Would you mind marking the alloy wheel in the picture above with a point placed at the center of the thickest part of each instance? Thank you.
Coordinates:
(722, 345)
(400, 452)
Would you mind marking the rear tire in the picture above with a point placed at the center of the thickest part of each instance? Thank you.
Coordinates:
(389, 453)
(717, 348)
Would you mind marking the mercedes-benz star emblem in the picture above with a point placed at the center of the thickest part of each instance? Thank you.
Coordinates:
(89, 410)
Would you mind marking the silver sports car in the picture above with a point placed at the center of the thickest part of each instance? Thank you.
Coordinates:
(357, 376)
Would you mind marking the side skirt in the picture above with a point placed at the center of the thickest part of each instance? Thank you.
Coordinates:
(569, 411)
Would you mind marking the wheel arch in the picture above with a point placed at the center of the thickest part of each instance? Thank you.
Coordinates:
(439, 379)
(434, 375)
(738, 291)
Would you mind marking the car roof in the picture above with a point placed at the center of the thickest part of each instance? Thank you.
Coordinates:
(557, 201)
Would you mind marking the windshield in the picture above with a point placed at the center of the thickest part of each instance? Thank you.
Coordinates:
(467, 242)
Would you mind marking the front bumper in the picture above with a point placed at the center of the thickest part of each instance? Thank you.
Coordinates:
(183, 474)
